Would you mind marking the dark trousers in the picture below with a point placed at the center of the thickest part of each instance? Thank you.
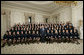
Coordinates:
(42, 38)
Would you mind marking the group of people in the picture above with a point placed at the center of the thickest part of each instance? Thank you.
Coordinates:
(49, 33)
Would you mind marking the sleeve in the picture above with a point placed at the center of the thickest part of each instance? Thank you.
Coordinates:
(4, 37)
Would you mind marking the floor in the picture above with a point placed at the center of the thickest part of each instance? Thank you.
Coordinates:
(43, 48)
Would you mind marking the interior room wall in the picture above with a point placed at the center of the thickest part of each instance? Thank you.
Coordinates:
(77, 14)
(64, 13)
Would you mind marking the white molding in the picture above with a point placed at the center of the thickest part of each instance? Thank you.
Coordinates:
(23, 4)
(8, 5)
(60, 10)
(41, 2)
(23, 9)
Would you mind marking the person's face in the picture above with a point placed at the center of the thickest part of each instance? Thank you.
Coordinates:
(13, 33)
(63, 30)
(59, 31)
(12, 28)
(33, 32)
(25, 32)
(55, 31)
(67, 31)
(67, 26)
(52, 27)
(17, 32)
(52, 31)
(9, 33)
(48, 31)
(21, 28)
(70, 30)
(57, 27)
(16, 29)
(37, 28)
(27, 29)
(37, 32)
(24, 28)
(29, 32)
(42, 26)
(22, 32)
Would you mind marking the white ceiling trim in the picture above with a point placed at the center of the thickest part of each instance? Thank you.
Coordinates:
(15, 4)
(41, 2)
(27, 6)
(21, 9)
(43, 6)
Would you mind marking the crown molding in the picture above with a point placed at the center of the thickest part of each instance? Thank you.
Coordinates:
(23, 9)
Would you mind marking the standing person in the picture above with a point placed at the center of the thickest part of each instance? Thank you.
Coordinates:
(71, 36)
(48, 36)
(14, 38)
(51, 36)
(18, 37)
(12, 30)
(76, 36)
(9, 41)
(37, 36)
(25, 37)
(33, 36)
(19, 30)
(59, 36)
(22, 37)
(30, 38)
(67, 36)
(5, 39)
(63, 35)
(42, 33)
(56, 36)
(15, 30)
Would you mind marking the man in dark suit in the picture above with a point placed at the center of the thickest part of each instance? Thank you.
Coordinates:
(51, 36)
(76, 36)
(30, 38)
(59, 36)
(48, 36)
(25, 37)
(37, 36)
(14, 38)
(9, 40)
(12, 30)
(67, 36)
(42, 33)
(63, 35)
(22, 37)
(18, 37)
(19, 30)
(71, 36)
(56, 35)
(33, 37)
(5, 39)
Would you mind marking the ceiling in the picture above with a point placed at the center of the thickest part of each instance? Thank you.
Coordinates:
(44, 6)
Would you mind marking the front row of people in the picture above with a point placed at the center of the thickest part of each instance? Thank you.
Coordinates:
(35, 36)
(64, 36)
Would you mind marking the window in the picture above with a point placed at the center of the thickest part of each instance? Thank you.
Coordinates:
(29, 20)
(46, 20)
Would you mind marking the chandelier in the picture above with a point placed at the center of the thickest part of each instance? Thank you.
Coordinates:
(66, 3)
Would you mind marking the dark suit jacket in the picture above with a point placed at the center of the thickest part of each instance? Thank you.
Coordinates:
(42, 31)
